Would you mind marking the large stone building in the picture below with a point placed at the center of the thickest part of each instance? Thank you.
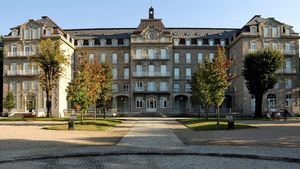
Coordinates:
(152, 64)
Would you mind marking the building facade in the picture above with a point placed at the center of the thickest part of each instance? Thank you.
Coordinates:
(152, 65)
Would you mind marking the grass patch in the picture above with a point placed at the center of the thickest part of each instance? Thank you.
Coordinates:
(32, 119)
(88, 125)
(202, 124)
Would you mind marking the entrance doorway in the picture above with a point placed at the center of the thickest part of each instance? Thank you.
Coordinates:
(151, 104)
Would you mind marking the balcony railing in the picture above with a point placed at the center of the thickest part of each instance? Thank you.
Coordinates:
(23, 53)
(289, 52)
(287, 71)
(21, 72)
(182, 90)
(121, 90)
(147, 57)
(151, 74)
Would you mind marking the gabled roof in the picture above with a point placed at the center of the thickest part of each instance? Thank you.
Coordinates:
(255, 20)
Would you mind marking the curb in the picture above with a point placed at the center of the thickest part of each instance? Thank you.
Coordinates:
(224, 155)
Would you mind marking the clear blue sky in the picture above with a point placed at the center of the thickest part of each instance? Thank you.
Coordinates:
(127, 13)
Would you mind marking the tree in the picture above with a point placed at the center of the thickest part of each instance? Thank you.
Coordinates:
(260, 74)
(77, 94)
(219, 79)
(106, 87)
(51, 60)
(8, 101)
(200, 85)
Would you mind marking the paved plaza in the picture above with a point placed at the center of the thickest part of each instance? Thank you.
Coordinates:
(150, 143)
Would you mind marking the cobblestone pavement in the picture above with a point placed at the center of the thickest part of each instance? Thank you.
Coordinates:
(150, 143)
(150, 162)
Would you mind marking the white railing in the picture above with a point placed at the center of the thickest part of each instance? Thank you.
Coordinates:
(139, 89)
(23, 53)
(286, 70)
(289, 52)
(147, 57)
(21, 72)
(151, 74)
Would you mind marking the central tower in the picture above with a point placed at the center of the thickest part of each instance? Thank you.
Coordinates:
(151, 13)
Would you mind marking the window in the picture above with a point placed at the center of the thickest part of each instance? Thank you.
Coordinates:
(176, 42)
(139, 70)
(188, 57)
(80, 43)
(252, 103)
(271, 102)
(115, 87)
(289, 100)
(36, 33)
(126, 73)
(139, 102)
(126, 42)
(187, 42)
(253, 30)
(211, 56)
(288, 83)
(91, 42)
(188, 73)
(114, 58)
(103, 42)
(266, 31)
(26, 33)
(276, 86)
(211, 42)
(176, 57)
(222, 42)
(139, 86)
(138, 53)
(126, 58)
(275, 46)
(163, 102)
(14, 33)
(35, 84)
(253, 46)
(102, 57)
(199, 42)
(163, 53)
(25, 85)
(274, 31)
(13, 86)
(27, 50)
(14, 49)
(115, 42)
(151, 53)
(151, 86)
(287, 46)
(25, 68)
(287, 31)
(288, 66)
(91, 57)
(176, 87)
(176, 73)
(266, 45)
(151, 70)
(126, 87)
(48, 32)
(163, 86)
(188, 88)
(163, 70)
(13, 68)
(114, 73)
(200, 57)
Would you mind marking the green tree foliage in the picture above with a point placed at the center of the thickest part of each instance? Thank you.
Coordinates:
(211, 80)
(8, 101)
(51, 61)
(219, 79)
(260, 73)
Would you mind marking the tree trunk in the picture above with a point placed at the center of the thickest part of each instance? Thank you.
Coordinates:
(48, 103)
(206, 109)
(104, 112)
(95, 115)
(258, 105)
(218, 115)
(81, 117)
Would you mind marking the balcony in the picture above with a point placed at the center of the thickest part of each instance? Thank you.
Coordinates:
(289, 52)
(182, 90)
(151, 74)
(151, 90)
(21, 54)
(21, 72)
(121, 91)
(286, 71)
(147, 57)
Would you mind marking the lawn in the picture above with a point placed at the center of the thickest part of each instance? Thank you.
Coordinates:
(31, 119)
(88, 125)
(202, 124)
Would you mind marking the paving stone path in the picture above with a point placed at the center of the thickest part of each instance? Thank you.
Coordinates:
(151, 134)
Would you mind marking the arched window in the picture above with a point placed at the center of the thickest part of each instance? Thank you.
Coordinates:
(271, 102)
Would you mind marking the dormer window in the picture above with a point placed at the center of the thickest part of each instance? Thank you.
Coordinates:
(91, 42)
(199, 42)
(287, 31)
(80, 43)
(176, 42)
(266, 31)
(222, 42)
(187, 42)
(26, 33)
(103, 42)
(211, 42)
(115, 42)
(126, 42)
(253, 30)
(35, 33)
(48, 31)
(14, 33)
(274, 31)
